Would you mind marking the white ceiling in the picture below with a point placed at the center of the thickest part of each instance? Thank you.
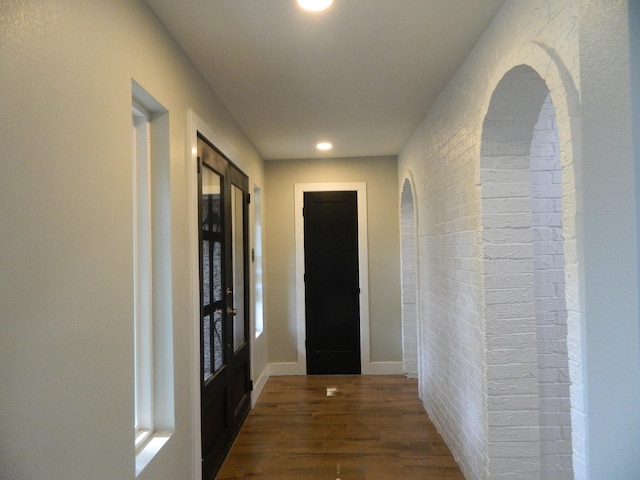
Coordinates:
(361, 75)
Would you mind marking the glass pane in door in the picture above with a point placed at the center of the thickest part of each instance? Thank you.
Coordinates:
(212, 274)
(206, 347)
(237, 236)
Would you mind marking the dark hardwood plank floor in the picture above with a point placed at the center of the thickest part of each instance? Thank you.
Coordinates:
(339, 428)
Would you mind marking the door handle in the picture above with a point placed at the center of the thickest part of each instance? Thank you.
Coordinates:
(231, 311)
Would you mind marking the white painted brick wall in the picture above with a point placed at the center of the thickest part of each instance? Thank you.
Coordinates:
(549, 296)
(461, 332)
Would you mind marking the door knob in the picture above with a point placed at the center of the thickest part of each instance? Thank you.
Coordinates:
(231, 311)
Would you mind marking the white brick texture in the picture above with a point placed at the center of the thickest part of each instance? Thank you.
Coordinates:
(491, 175)
(549, 296)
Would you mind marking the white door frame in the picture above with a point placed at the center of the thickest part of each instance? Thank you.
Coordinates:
(363, 260)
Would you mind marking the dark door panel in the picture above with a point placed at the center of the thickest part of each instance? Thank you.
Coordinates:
(224, 323)
(332, 293)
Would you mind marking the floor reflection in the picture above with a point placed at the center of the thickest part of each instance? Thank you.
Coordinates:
(339, 428)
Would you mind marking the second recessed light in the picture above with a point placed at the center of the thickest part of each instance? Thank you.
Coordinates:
(324, 146)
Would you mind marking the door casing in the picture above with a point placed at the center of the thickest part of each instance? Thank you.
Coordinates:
(300, 367)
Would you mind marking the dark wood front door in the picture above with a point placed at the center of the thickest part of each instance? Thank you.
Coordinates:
(224, 323)
(332, 291)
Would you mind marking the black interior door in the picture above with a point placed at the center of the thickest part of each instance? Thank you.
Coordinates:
(224, 323)
(332, 291)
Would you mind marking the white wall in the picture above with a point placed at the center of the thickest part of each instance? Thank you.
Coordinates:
(611, 345)
(66, 385)
(580, 51)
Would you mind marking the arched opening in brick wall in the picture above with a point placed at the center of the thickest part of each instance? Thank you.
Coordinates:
(529, 416)
(409, 276)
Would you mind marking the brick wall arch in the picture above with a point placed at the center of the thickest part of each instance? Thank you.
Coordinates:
(409, 265)
(525, 313)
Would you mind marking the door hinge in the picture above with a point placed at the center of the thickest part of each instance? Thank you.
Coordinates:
(199, 165)
(248, 198)
(251, 385)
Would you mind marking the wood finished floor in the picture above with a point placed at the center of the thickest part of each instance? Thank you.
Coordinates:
(339, 427)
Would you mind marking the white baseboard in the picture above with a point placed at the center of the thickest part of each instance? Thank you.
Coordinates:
(373, 368)
(258, 386)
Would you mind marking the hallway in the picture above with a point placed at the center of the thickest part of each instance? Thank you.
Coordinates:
(339, 427)
(500, 237)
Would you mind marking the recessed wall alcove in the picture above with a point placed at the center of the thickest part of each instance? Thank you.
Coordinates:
(409, 266)
(525, 308)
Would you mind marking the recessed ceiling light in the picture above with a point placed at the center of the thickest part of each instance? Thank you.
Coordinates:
(324, 146)
(315, 5)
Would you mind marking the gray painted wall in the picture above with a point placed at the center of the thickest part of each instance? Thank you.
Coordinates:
(380, 174)
(66, 300)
